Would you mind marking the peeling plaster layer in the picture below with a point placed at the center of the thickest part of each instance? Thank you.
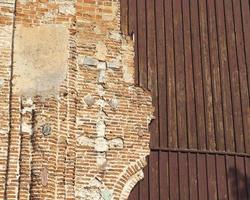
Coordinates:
(40, 57)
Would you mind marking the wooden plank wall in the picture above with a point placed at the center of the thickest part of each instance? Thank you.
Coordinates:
(194, 56)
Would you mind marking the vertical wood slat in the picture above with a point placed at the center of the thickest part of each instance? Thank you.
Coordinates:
(216, 78)
(183, 176)
(193, 183)
(246, 29)
(234, 76)
(154, 176)
(242, 67)
(144, 184)
(221, 177)
(218, 40)
(163, 175)
(143, 187)
(241, 178)
(170, 86)
(247, 169)
(206, 72)
(132, 31)
(202, 177)
(180, 75)
(152, 68)
(132, 16)
(173, 176)
(209, 44)
(199, 99)
(225, 78)
(124, 16)
(191, 112)
(231, 176)
(142, 43)
(162, 93)
(211, 177)
(134, 195)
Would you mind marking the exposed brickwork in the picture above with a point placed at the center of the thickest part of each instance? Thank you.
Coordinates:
(88, 138)
(6, 29)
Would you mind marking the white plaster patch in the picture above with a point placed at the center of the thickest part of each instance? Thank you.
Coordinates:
(116, 143)
(127, 74)
(102, 66)
(89, 100)
(114, 102)
(1, 82)
(115, 35)
(95, 190)
(100, 128)
(86, 60)
(101, 145)
(67, 9)
(41, 59)
(85, 141)
(26, 128)
(101, 51)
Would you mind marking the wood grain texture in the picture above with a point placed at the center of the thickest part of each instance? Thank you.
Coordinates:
(194, 57)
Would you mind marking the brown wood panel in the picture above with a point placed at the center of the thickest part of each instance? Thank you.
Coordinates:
(180, 75)
(194, 57)
(154, 186)
(142, 43)
(234, 76)
(225, 78)
(183, 176)
(246, 29)
(247, 169)
(161, 62)
(232, 179)
(163, 176)
(206, 72)
(174, 191)
(202, 176)
(215, 76)
(134, 195)
(211, 177)
(132, 30)
(199, 98)
(170, 85)
(242, 67)
(241, 178)
(221, 177)
(191, 112)
(143, 188)
(152, 69)
(193, 184)
(124, 16)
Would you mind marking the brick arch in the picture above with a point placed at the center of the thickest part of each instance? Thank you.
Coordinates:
(129, 178)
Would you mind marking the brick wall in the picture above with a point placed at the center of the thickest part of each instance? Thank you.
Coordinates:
(77, 126)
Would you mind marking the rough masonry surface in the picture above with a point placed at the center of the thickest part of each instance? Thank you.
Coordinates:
(73, 124)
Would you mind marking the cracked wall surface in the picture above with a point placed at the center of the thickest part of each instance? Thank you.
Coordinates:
(74, 125)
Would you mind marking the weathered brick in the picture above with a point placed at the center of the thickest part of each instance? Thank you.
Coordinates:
(85, 137)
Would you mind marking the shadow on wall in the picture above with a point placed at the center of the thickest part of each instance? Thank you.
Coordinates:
(239, 184)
